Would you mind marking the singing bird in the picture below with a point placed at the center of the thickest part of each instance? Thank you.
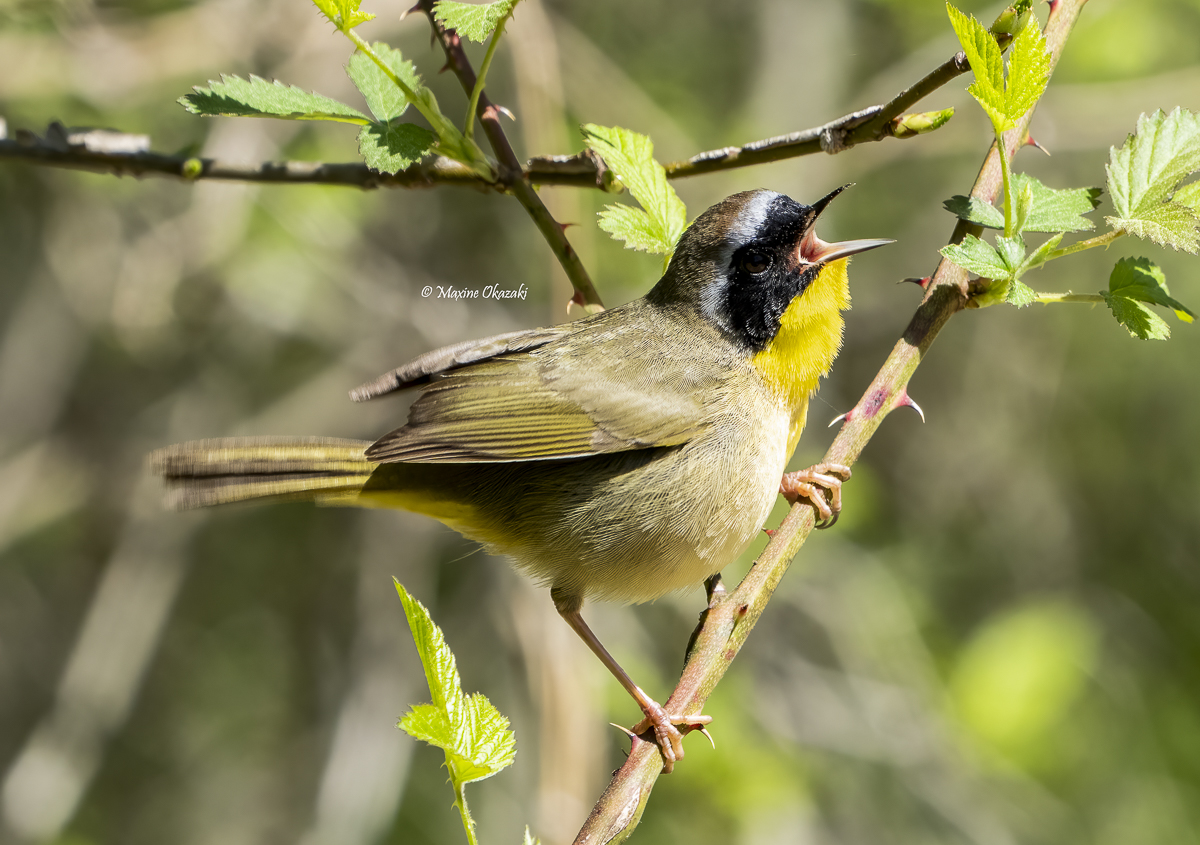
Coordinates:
(623, 456)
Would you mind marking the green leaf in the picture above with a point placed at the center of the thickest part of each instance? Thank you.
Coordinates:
(469, 729)
(983, 53)
(1020, 294)
(630, 156)
(530, 839)
(1028, 72)
(632, 225)
(1138, 319)
(1145, 173)
(975, 211)
(344, 14)
(1143, 280)
(472, 21)
(979, 257)
(1051, 210)
(384, 98)
(392, 147)
(256, 97)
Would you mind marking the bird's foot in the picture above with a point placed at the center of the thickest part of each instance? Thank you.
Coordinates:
(812, 483)
(668, 737)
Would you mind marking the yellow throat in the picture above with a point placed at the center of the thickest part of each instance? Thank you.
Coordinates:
(809, 338)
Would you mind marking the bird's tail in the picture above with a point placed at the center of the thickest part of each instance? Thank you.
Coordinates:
(214, 472)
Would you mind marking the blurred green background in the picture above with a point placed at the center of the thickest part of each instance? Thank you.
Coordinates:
(999, 643)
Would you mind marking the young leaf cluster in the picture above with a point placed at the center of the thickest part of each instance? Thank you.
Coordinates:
(655, 227)
(1145, 176)
(473, 734)
(388, 83)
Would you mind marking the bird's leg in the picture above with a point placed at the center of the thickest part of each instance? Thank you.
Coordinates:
(668, 737)
(808, 484)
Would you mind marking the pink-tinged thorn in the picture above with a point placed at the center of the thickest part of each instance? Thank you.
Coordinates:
(920, 281)
(1053, 4)
(565, 226)
(770, 532)
(411, 11)
(903, 400)
(840, 418)
(1030, 141)
(576, 299)
(708, 736)
(504, 111)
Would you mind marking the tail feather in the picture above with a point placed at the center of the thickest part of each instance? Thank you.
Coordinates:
(216, 472)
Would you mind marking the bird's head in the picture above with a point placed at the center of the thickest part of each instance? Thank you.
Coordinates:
(744, 261)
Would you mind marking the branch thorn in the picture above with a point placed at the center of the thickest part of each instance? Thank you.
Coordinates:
(708, 736)
(922, 281)
(504, 111)
(1031, 142)
(408, 12)
(624, 730)
(846, 417)
(903, 400)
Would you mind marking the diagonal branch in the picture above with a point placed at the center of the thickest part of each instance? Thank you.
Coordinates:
(512, 175)
(729, 619)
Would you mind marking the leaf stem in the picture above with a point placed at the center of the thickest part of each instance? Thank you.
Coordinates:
(460, 801)
(1006, 177)
(469, 122)
(1100, 240)
(1048, 298)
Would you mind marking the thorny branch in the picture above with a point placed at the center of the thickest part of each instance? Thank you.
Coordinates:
(730, 618)
(512, 176)
(85, 151)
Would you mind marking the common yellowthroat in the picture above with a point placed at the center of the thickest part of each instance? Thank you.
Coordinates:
(623, 456)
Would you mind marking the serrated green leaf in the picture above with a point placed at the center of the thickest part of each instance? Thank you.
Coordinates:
(630, 156)
(1143, 280)
(1028, 72)
(441, 671)
(428, 724)
(344, 14)
(256, 97)
(1189, 196)
(983, 53)
(472, 732)
(632, 225)
(472, 21)
(384, 98)
(1052, 210)
(392, 147)
(975, 211)
(979, 257)
(1137, 318)
(1020, 294)
(1145, 172)
(486, 746)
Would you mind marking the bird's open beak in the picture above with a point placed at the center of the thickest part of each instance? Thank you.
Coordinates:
(813, 250)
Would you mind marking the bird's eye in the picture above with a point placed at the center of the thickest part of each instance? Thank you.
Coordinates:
(755, 262)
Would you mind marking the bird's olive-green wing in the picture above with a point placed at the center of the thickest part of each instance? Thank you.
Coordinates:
(608, 388)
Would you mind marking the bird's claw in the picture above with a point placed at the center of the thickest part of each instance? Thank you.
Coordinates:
(668, 737)
(812, 483)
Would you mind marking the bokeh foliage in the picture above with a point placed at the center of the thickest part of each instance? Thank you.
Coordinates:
(998, 642)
